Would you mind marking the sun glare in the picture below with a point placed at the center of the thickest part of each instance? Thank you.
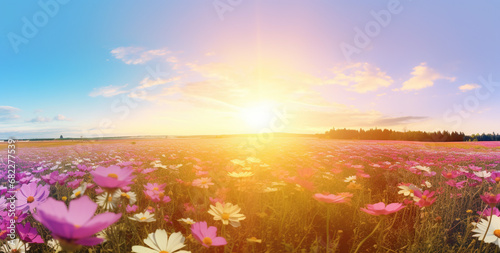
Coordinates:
(257, 115)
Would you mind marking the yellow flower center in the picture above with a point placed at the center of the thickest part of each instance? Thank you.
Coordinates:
(125, 195)
(30, 199)
(497, 179)
(163, 251)
(64, 198)
(497, 233)
(225, 216)
(449, 174)
(77, 226)
(143, 218)
(110, 199)
(424, 197)
(113, 175)
(207, 241)
(412, 191)
(161, 195)
(155, 189)
(78, 193)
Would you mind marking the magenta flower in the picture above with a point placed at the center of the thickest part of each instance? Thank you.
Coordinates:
(381, 209)
(425, 198)
(207, 236)
(76, 225)
(451, 174)
(30, 196)
(131, 209)
(27, 233)
(332, 198)
(495, 177)
(491, 199)
(112, 177)
(487, 212)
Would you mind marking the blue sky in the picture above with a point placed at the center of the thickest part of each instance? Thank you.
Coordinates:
(113, 68)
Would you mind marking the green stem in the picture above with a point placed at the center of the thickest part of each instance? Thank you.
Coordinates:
(373, 232)
(327, 229)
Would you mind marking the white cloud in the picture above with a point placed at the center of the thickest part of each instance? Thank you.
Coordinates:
(138, 55)
(423, 77)
(469, 86)
(146, 82)
(108, 91)
(61, 117)
(7, 113)
(40, 119)
(361, 77)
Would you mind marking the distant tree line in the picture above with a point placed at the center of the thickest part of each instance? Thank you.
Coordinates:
(483, 137)
(388, 134)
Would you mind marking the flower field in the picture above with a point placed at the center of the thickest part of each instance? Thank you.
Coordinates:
(211, 195)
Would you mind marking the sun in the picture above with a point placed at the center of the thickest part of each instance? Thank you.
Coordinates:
(257, 115)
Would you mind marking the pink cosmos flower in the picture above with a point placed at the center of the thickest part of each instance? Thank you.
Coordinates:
(207, 236)
(77, 224)
(332, 198)
(203, 182)
(425, 198)
(495, 177)
(450, 174)
(27, 233)
(456, 184)
(491, 199)
(155, 187)
(31, 195)
(112, 177)
(488, 211)
(381, 209)
(131, 209)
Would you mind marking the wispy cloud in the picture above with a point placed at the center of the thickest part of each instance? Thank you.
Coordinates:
(40, 119)
(469, 86)
(138, 55)
(8, 113)
(61, 117)
(108, 91)
(147, 82)
(361, 77)
(423, 77)
(398, 120)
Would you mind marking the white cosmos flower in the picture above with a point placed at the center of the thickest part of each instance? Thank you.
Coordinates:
(483, 174)
(423, 168)
(227, 213)
(493, 233)
(350, 179)
(15, 245)
(79, 191)
(408, 190)
(188, 221)
(143, 217)
(54, 245)
(160, 242)
(130, 196)
(106, 201)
